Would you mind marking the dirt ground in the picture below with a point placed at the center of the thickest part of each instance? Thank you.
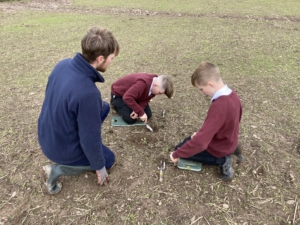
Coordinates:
(265, 189)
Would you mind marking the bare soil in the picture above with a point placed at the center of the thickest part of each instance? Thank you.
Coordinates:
(265, 189)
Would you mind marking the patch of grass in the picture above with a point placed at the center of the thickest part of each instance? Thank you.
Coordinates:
(246, 7)
(257, 58)
(10, 1)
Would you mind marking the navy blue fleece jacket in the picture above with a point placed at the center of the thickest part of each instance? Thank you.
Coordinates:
(69, 126)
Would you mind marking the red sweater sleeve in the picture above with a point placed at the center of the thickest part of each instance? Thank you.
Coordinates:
(135, 92)
(212, 124)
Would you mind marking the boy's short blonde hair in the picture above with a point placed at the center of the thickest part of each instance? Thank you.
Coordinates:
(205, 72)
(167, 85)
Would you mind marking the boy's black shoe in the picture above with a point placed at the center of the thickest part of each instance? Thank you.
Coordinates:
(227, 168)
(239, 154)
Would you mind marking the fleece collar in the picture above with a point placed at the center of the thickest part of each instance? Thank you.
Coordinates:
(85, 68)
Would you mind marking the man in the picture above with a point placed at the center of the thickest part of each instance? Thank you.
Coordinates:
(69, 126)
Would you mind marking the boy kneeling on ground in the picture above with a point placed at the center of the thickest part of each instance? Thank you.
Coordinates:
(131, 94)
(216, 143)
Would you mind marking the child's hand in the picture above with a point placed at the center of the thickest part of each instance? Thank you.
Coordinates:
(144, 118)
(133, 115)
(172, 159)
(193, 135)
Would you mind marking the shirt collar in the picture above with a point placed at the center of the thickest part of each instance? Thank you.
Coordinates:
(223, 91)
(150, 91)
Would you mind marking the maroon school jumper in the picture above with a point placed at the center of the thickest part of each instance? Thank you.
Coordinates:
(134, 89)
(219, 132)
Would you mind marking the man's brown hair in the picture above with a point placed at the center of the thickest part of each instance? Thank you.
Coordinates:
(205, 72)
(167, 85)
(98, 41)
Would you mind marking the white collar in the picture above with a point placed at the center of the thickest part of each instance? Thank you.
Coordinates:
(150, 91)
(223, 91)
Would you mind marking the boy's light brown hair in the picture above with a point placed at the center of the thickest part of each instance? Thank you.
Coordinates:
(167, 85)
(205, 72)
(98, 41)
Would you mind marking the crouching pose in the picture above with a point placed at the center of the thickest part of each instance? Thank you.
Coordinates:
(216, 143)
(69, 125)
(131, 94)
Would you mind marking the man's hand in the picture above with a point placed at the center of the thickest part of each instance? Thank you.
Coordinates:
(144, 118)
(193, 135)
(102, 176)
(172, 159)
(133, 115)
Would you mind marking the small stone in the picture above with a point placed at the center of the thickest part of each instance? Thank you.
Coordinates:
(193, 219)
(290, 202)
(86, 176)
(225, 206)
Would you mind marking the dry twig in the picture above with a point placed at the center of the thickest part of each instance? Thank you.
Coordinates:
(29, 210)
(295, 213)
(206, 221)
(196, 220)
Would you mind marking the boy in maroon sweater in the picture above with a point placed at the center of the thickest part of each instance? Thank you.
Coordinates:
(216, 143)
(131, 94)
